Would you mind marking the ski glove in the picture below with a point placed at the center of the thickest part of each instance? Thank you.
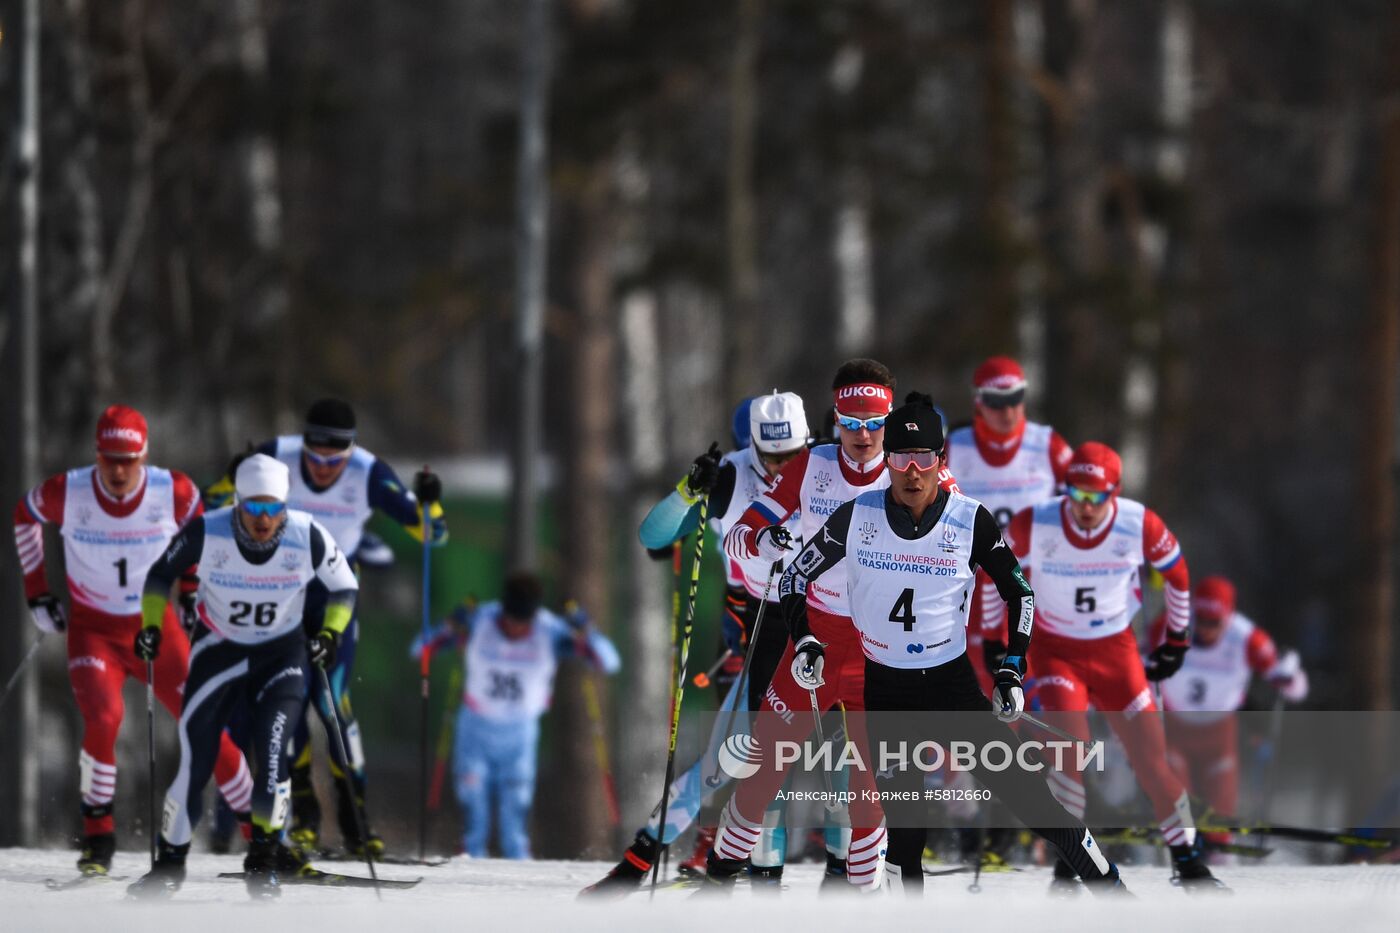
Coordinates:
(993, 653)
(772, 541)
(189, 615)
(1165, 660)
(427, 486)
(702, 475)
(808, 663)
(47, 613)
(1008, 699)
(147, 645)
(322, 647)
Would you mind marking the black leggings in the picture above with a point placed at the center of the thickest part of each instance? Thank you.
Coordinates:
(953, 687)
(270, 680)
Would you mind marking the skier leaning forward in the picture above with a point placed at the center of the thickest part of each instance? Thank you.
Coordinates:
(256, 559)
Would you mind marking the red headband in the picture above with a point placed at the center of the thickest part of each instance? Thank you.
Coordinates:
(864, 396)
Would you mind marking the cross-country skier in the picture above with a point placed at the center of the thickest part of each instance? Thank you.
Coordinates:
(776, 432)
(1227, 650)
(256, 562)
(817, 482)
(511, 650)
(1083, 552)
(910, 629)
(116, 517)
(341, 484)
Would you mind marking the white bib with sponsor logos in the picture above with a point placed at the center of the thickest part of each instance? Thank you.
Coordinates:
(910, 599)
(824, 490)
(343, 507)
(108, 556)
(250, 603)
(507, 680)
(1086, 593)
(750, 482)
(1023, 481)
(1213, 679)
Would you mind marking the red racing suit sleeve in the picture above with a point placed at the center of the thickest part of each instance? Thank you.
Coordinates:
(783, 497)
(40, 506)
(1060, 456)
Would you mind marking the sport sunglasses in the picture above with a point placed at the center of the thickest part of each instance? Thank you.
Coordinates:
(327, 459)
(848, 423)
(263, 508)
(1089, 496)
(921, 460)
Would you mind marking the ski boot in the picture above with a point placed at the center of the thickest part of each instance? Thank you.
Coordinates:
(720, 875)
(1190, 872)
(834, 878)
(349, 825)
(766, 879)
(1065, 882)
(165, 876)
(260, 867)
(626, 876)
(292, 862)
(306, 809)
(1110, 885)
(694, 866)
(96, 856)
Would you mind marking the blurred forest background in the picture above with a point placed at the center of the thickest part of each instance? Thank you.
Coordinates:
(1183, 216)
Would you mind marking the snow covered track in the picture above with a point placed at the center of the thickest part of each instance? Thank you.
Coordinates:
(525, 897)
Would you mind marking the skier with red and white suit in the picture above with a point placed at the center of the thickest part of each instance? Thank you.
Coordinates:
(1227, 650)
(818, 481)
(1006, 463)
(1083, 552)
(116, 518)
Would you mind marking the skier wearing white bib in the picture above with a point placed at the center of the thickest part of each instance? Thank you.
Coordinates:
(256, 560)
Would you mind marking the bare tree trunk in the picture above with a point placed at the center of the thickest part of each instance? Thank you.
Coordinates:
(1373, 631)
(1071, 226)
(741, 325)
(999, 285)
(588, 547)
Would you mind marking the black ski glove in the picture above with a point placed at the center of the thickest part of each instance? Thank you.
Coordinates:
(703, 472)
(1008, 698)
(47, 613)
(189, 615)
(147, 644)
(1165, 660)
(427, 486)
(321, 648)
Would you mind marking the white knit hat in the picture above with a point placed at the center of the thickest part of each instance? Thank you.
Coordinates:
(261, 475)
(778, 422)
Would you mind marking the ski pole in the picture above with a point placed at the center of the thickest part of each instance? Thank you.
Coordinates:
(821, 742)
(703, 680)
(680, 680)
(19, 670)
(600, 749)
(741, 685)
(339, 741)
(1053, 730)
(424, 670)
(151, 754)
(676, 549)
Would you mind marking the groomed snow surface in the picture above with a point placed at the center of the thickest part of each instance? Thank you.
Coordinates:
(525, 897)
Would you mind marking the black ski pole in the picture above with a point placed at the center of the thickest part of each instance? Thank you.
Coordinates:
(741, 685)
(339, 741)
(680, 682)
(151, 753)
(426, 499)
(19, 671)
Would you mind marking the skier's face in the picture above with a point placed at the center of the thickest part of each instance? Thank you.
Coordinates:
(120, 475)
(1207, 630)
(1002, 420)
(514, 629)
(262, 526)
(914, 488)
(1089, 515)
(325, 464)
(774, 463)
(864, 445)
